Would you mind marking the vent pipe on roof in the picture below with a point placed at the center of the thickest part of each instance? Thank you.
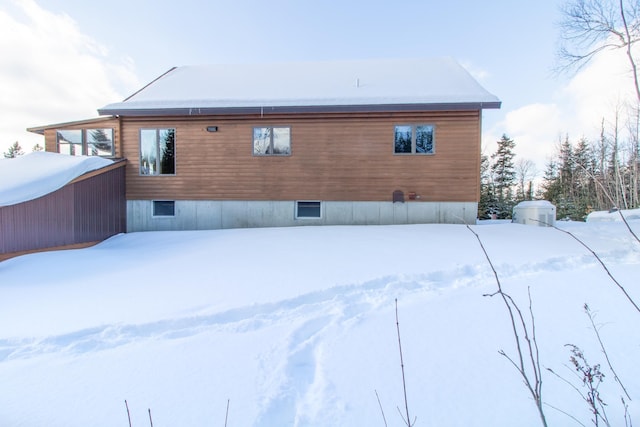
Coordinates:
(357, 82)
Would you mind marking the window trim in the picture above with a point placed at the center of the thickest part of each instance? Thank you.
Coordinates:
(271, 141)
(157, 147)
(84, 141)
(413, 127)
(297, 210)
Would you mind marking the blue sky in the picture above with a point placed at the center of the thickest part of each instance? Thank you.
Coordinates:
(63, 59)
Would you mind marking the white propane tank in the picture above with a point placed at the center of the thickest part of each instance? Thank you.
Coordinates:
(535, 212)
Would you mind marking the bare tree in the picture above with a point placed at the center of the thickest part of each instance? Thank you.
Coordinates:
(592, 26)
(525, 172)
(633, 148)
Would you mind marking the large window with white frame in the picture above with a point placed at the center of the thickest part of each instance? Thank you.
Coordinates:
(414, 139)
(86, 142)
(157, 152)
(272, 141)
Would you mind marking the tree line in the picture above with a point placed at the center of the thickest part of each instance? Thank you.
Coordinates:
(583, 176)
(16, 150)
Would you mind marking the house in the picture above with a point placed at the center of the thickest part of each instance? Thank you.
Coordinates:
(49, 201)
(284, 144)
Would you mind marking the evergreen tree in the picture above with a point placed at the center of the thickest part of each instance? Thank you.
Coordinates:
(504, 176)
(570, 181)
(37, 147)
(488, 204)
(584, 177)
(14, 151)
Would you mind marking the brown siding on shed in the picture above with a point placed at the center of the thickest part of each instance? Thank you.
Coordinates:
(340, 156)
(86, 210)
(100, 206)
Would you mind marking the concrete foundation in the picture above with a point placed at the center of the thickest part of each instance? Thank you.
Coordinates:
(211, 215)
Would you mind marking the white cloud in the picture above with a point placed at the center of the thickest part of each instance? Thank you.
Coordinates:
(51, 72)
(535, 128)
(576, 111)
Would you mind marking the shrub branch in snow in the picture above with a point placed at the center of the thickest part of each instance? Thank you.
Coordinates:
(406, 420)
(604, 350)
(381, 410)
(128, 413)
(591, 377)
(528, 360)
(604, 266)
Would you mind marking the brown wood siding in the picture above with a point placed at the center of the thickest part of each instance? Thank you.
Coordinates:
(334, 157)
(84, 211)
(50, 136)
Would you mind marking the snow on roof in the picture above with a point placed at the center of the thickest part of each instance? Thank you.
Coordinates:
(327, 85)
(37, 174)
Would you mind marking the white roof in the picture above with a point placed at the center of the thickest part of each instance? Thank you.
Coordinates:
(37, 174)
(308, 86)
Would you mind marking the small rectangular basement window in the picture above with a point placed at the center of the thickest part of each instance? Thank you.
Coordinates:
(164, 208)
(308, 209)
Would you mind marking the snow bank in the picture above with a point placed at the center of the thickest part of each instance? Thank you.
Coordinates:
(297, 326)
(37, 174)
(613, 215)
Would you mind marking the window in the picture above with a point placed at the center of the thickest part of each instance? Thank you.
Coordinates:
(164, 208)
(272, 141)
(86, 142)
(70, 142)
(99, 142)
(414, 139)
(157, 152)
(309, 209)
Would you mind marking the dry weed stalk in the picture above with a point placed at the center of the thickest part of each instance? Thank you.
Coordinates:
(528, 360)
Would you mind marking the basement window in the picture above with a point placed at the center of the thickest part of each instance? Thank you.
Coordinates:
(272, 141)
(414, 139)
(308, 209)
(164, 208)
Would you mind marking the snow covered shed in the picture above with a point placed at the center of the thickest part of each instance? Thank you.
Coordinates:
(303, 143)
(56, 201)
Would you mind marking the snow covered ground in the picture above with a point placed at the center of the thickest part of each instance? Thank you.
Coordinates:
(296, 326)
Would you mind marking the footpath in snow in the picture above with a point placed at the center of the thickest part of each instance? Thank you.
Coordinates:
(296, 326)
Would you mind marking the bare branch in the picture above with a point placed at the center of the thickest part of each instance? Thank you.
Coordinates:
(381, 410)
(591, 26)
(521, 338)
(602, 347)
(565, 413)
(128, 413)
(404, 384)
(604, 266)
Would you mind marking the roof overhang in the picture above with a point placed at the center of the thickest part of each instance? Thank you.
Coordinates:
(298, 109)
(40, 129)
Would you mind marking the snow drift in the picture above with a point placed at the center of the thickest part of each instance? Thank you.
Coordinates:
(296, 326)
(36, 174)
